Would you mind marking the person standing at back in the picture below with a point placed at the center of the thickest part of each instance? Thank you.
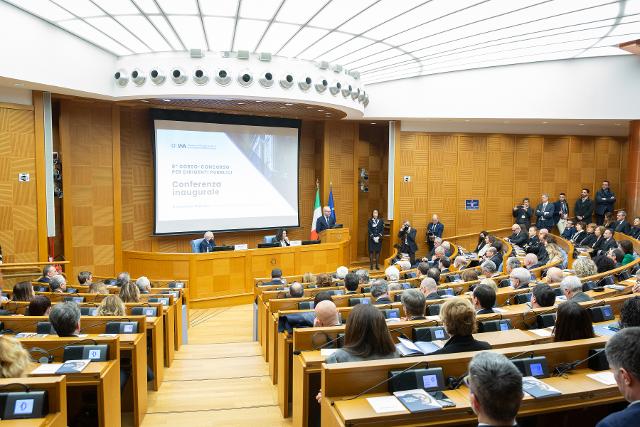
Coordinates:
(605, 200)
(544, 213)
(375, 228)
(523, 213)
(434, 229)
(584, 207)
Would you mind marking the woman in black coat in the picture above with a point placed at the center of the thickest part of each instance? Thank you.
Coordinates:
(376, 228)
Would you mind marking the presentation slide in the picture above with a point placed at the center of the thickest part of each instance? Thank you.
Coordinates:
(218, 177)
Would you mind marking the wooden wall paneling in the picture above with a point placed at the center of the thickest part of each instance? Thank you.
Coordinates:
(442, 188)
(526, 168)
(500, 182)
(471, 178)
(554, 177)
(41, 196)
(621, 191)
(582, 167)
(117, 188)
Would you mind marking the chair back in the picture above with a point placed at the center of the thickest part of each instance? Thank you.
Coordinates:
(269, 239)
(195, 245)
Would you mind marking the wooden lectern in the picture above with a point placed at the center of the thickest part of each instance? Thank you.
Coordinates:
(334, 235)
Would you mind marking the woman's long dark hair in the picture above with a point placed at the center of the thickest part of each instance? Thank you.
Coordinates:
(366, 333)
(23, 291)
(483, 235)
(573, 322)
(279, 234)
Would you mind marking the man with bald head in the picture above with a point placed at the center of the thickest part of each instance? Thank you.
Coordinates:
(326, 221)
(208, 242)
(518, 236)
(429, 288)
(531, 261)
(554, 275)
(326, 314)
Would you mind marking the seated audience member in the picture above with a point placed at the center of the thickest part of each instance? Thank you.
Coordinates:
(380, 292)
(129, 292)
(630, 313)
(437, 254)
(47, 273)
(532, 245)
(488, 268)
(98, 288)
(208, 242)
(494, 256)
(123, 277)
(584, 267)
(414, 303)
(595, 247)
(58, 284)
(623, 355)
(569, 230)
(394, 286)
(531, 261)
(112, 305)
(39, 306)
(608, 243)
(309, 278)
(276, 277)
(459, 320)
(296, 290)
(341, 272)
(495, 402)
(85, 278)
(518, 236)
(469, 275)
(366, 337)
(447, 248)
(326, 314)
(554, 275)
(590, 236)
(363, 276)
(144, 285)
(14, 359)
(444, 264)
(542, 233)
(542, 295)
(520, 278)
(434, 273)
(423, 268)
(580, 233)
(351, 283)
(627, 249)
(392, 274)
(484, 298)
(604, 263)
(621, 224)
(512, 262)
(609, 222)
(65, 319)
(635, 229)
(460, 263)
(403, 265)
(323, 280)
(573, 322)
(23, 291)
(489, 282)
(554, 252)
(617, 255)
(429, 288)
(482, 242)
(321, 296)
(282, 238)
(572, 288)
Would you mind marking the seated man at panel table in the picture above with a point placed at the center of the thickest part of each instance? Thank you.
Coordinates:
(542, 296)
(519, 278)
(554, 275)
(492, 254)
(423, 269)
(48, 271)
(531, 261)
(488, 268)
(144, 285)
(623, 355)
(572, 288)
(444, 265)
(85, 278)
(518, 236)
(58, 284)
(496, 403)
(276, 278)
(429, 288)
(65, 319)
(484, 298)
(208, 242)
(380, 291)
(296, 290)
(351, 283)
(326, 221)
(512, 262)
(414, 304)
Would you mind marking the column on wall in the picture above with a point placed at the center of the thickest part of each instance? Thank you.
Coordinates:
(633, 169)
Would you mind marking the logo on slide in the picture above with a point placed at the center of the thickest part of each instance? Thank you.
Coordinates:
(178, 145)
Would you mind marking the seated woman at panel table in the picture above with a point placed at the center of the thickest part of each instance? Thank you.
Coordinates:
(39, 306)
(573, 322)
(129, 292)
(281, 238)
(111, 305)
(14, 359)
(23, 291)
(459, 319)
(627, 248)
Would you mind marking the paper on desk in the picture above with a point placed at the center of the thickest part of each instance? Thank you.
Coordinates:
(327, 351)
(46, 368)
(385, 404)
(542, 332)
(605, 378)
(499, 310)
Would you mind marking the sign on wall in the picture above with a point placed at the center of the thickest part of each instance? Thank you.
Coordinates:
(472, 204)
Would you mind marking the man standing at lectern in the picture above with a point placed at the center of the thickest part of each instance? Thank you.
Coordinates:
(208, 243)
(326, 221)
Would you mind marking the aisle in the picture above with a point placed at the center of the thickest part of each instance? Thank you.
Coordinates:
(219, 378)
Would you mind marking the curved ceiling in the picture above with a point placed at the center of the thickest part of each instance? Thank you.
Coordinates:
(382, 39)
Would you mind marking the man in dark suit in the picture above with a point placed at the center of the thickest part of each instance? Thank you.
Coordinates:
(434, 229)
(351, 283)
(518, 236)
(429, 288)
(569, 230)
(484, 298)
(584, 207)
(571, 287)
(276, 277)
(414, 304)
(560, 209)
(522, 214)
(623, 355)
(544, 213)
(408, 244)
(380, 291)
(605, 199)
(47, 273)
(635, 229)
(609, 241)
(208, 243)
(622, 226)
(496, 403)
(326, 221)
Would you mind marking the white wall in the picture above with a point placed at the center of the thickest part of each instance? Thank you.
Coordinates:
(591, 88)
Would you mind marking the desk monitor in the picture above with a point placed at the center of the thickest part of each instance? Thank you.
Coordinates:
(222, 248)
(45, 328)
(121, 328)
(522, 298)
(392, 313)
(430, 333)
(533, 366)
(310, 242)
(89, 311)
(95, 353)
(23, 405)
(428, 379)
(601, 313)
(269, 245)
(77, 300)
(546, 320)
(495, 325)
(355, 301)
(434, 309)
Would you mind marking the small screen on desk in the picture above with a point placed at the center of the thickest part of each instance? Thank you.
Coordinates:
(606, 311)
(23, 407)
(430, 381)
(392, 314)
(128, 329)
(364, 301)
(504, 326)
(439, 334)
(536, 369)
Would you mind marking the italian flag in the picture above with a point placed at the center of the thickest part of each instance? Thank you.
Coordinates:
(317, 212)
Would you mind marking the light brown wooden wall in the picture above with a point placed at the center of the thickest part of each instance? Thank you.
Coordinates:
(18, 204)
(498, 170)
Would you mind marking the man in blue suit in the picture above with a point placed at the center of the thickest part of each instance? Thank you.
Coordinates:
(544, 212)
(623, 355)
(605, 200)
(434, 229)
(326, 221)
(208, 243)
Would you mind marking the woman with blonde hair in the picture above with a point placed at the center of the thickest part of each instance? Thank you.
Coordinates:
(459, 319)
(98, 288)
(111, 305)
(584, 267)
(129, 292)
(14, 359)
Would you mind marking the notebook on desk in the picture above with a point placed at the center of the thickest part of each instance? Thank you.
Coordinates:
(419, 348)
(417, 400)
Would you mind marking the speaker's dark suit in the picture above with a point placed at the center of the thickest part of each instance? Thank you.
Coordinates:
(560, 207)
(622, 227)
(324, 223)
(519, 239)
(605, 199)
(583, 210)
(544, 215)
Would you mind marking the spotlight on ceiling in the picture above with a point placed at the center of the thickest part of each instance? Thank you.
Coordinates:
(178, 76)
(287, 82)
(121, 78)
(355, 74)
(245, 78)
(305, 84)
(347, 91)
(321, 86)
(362, 96)
(266, 80)
(200, 77)
(366, 100)
(264, 56)
(222, 77)
(335, 88)
(323, 65)
(157, 76)
(355, 94)
(138, 77)
(337, 68)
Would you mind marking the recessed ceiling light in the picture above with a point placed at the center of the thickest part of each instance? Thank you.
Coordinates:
(580, 124)
(19, 84)
(288, 105)
(143, 100)
(321, 111)
(240, 103)
(544, 123)
(258, 102)
(166, 100)
(373, 123)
